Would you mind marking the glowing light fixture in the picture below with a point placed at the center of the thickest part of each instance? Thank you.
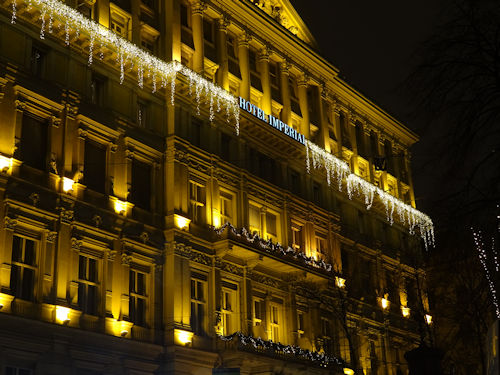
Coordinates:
(120, 206)
(428, 319)
(385, 303)
(62, 314)
(5, 163)
(183, 337)
(340, 282)
(124, 328)
(216, 218)
(181, 222)
(405, 311)
(348, 371)
(67, 184)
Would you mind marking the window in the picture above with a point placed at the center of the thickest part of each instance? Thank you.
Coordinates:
(316, 193)
(275, 323)
(185, 19)
(228, 308)
(11, 370)
(34, 142)
(209, 39)
(85, 8)
(87, 288)
(258, 311)
(196, 125)
(254, 219)
(198, 303)
(226, 207)
(232, 54)
(294, 99)
(137, 297)
(297, 237)
(361, 222)
(295, 186)
(140, 189)
(120, 22)
(148, 41)
(321, 247)
(326, 332)
(197, 202)
(94, 175)
(300, 324)
(38, 59)
(254, 70)
(142, 113)
(97, 84)
(271, 226)
(22, 274)
(225, 147)
(274, 78)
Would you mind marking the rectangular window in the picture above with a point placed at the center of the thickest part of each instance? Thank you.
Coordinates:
(140, 189)
(87, 288)
(254, 70)
(22, 274)
(275, 323)
(226, 207)
(232, 54)
(198, 303)
(300, 324)
(327, 335)
(120, 24)
(225, 147)
(142, 113)
(97, 84)
(185, 16)
(228, 309)
(295, 185)
(94, 174)
(196, 125)
(271, 226)
(254, 219)
(274, 77)
(321, 247)
(38, 59)
(137, 297)
(297, 238)
(197, 202)
(34, 142)
(85, 8)
(258, 311)
(316, 193)
(208, 30)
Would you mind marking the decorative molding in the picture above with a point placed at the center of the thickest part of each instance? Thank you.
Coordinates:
(9, 223)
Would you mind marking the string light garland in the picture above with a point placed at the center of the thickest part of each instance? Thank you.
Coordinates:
(340, 171)
(480, 247)
(275, 248)
(251, 342)
(132, 55)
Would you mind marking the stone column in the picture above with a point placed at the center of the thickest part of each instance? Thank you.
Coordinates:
(304, 106)
(265, 79)
(136, 22)
(286, 113)
(323, 133)
(198, 8)
(368, 149)
(407, 161)
(223, 71)
(380, 142)
(338, 128)
(352, 130)
(243, 43)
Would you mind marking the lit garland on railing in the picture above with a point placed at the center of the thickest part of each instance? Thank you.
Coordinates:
(277, 248)
(160, 72)
(321, 359)
(339, 170)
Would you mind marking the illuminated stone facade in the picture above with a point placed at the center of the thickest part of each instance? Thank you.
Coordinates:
(119, 172)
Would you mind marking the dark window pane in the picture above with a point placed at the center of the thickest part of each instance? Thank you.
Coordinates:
(140, 318)
(16, 249)
(140, 193)
(14, 279)
(28, 284)
(92, 270)
(82, 268)
(140, 283)
(33, 145)
(94, 174)
(92, 300)
(29, 252)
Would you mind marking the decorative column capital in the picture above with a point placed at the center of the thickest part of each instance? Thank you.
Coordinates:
(264, 53)
(303, 80)
(244, 39)
(285, 67)
(223, 22)
(198, 7)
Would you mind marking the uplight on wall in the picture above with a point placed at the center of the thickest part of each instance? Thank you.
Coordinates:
(216, 218)
(5, 163)
(348, 371)
(405, 311)
(62, 314)
(428, 319)
(119, 206)
(340, 282)
(183, 337)
(67, 184)
(384, 302)
(181, 222)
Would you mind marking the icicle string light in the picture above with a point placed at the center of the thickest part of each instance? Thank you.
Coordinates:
(480, 247)
(126, 51)
(339, 170)
(14, 12)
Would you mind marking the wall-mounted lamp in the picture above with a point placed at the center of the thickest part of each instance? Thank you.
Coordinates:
(181, 222)
(67, 184)
(405, 311)
(340, 282)
(428, 319)
(62, 314)
(183, 337)
(5, 163)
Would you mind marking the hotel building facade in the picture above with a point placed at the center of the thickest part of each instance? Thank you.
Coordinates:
(190, 188)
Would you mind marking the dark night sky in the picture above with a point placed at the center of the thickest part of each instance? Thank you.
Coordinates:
(373, 43)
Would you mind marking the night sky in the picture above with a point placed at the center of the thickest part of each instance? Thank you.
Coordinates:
(373, 43)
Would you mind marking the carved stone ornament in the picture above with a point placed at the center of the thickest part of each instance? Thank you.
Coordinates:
(51, 237)
(97, 221)
(144, 237)
(9, 223)
(35, 198)
(76, 244)
(126, 259)
(66, 216)
(112, 255)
